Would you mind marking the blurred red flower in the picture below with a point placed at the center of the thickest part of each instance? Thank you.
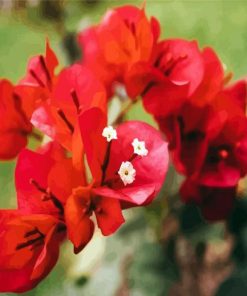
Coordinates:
(29, 249)
(15, 126)
(207, 135)
(107, 195)
(172, 74)
(215, 203)
(124, 37)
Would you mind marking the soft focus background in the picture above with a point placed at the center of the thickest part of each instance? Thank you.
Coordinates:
(165, 249)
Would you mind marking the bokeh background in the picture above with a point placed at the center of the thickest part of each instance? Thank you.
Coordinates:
(165, 249)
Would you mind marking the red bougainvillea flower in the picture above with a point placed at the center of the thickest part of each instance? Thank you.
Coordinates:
(40, 70)
(177, 73)
(210, 140)
(29, 249)
(185, 122)
(15, 126)
(30, 236)
(213, 78)
(225, 160)
(124, 37)
(173, 73)
(39, 80)
(17, 103)
(215, 203)
(128, 167)
(44, 180)
(76, 89)
(211, 84)
(189, 133)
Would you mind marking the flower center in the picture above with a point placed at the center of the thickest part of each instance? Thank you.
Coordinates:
(45, 71)
(34, 238)
(65, 120)
(48, 195)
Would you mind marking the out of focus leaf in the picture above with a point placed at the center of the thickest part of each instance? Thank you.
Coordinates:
(234, 286)
(194, 227)
(150, 273)
(238, 219)
(237, 225)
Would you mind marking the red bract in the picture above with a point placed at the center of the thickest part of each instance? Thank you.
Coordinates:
(225, 161)
(76, 89)
(188, 134)
(173, 73)
(40, 70)
(124, 37)
(30, 236)
(209, 140)
(177, 73)
(107, 194)
(213, 78)
(215, 203)
(17, 103)
(44, 180)
(41, 78)
(29, 249)
(15, 126)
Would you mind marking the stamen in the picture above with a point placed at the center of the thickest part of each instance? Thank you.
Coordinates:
(75, 99)
(65, 119)
(37, 244)
(28, 243)
(134, 155)
(38, 187)
(31, 232)
(48, 195)
(148, 87)
(133, 28)
(172, 63)
(18, 106)
(37, 78)
(105, 163)
(43, 64)
(158, 60)
(39, 239)
(57, 203)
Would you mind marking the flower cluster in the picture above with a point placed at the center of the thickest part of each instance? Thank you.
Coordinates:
(83, 174)
(188, 92)
(88, 171)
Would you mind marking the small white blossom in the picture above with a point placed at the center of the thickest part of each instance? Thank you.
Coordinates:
(139, 147)
(127, 172)
(109, 133)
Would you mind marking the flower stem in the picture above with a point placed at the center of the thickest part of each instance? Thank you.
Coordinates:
(124, 111)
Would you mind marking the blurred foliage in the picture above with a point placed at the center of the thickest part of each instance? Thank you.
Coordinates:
(141, 258)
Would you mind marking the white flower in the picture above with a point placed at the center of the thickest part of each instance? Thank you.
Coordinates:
(139, 147)
(127, 172)
(109, 133)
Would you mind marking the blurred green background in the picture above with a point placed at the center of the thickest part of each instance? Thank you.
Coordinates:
(131, 262)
